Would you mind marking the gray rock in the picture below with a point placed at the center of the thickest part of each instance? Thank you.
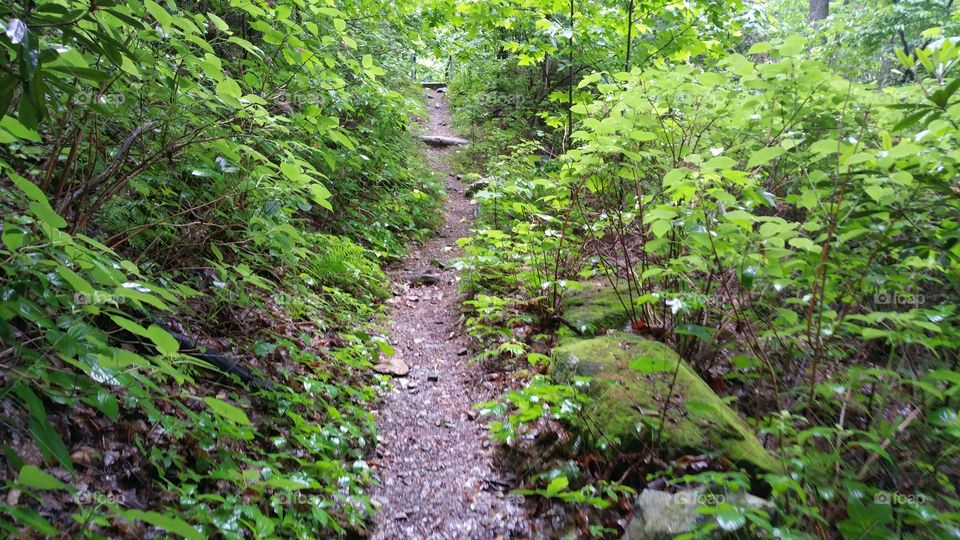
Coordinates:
(393, 366)
(476, 187)
(420, 280)
(661, 515)
(442, 140)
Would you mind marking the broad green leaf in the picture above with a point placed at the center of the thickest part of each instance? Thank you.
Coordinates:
(557, 485)
(653, 365)
(32, 476)
(762, 156)
(47, 215)
(13, 126)
(159, 13)
(825, 146)
(760, 48)
(229, 91)
(225, 410)
(170, 524)
(165, 343)
(792, 46)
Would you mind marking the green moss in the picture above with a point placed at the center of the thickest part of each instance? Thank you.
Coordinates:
(596, 306)
(626, 403)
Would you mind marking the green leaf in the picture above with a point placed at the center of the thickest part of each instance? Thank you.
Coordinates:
(223, 409)
(805, 244)
(760, 48)
(31, 190)
(293, 171)
(825, 146)
(762, 156)
(218, 22)
(78, 283)
(47, 215)
(719, 162)
(367, 61)
(557, 485)
(228, 90)
(911, 119)
(129, 326)
(792, 46)
(170, 524)
(158, 13)
(49, 443)
(165, 342)
(653, 365)
(13, 126)
(32, 476)
(700, 332)
(33, 520)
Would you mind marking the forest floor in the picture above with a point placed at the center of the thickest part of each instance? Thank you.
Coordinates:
(435, 458)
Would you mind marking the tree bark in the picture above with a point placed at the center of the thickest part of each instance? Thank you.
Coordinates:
(819, 9)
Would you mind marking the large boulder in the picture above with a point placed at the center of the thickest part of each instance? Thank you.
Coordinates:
(629, 381)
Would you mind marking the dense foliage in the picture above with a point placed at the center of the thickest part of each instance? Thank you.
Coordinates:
(229, 174)
(198, 200)
(791, 233)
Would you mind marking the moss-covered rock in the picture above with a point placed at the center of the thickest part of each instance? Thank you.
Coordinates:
(626, 402)
(597, 306)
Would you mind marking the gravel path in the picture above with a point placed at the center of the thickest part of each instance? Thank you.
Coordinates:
(437, 477)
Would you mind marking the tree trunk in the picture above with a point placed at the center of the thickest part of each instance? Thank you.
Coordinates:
(819, 10)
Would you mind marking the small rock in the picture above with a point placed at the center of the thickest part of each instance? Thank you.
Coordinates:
(424, 279)
(475, 187)
(393, 366)
(658, 514)
(462, 352)
(433, 376)
(443, 140)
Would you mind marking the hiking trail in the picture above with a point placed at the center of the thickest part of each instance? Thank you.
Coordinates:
(436, 472)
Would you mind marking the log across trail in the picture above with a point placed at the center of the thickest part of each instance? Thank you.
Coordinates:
(437, 479)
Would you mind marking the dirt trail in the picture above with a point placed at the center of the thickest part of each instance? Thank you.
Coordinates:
(437, 478)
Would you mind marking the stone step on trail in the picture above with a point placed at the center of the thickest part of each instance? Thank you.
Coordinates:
(443, 140)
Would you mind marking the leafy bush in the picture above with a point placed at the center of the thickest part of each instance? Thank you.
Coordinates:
(793, 235)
